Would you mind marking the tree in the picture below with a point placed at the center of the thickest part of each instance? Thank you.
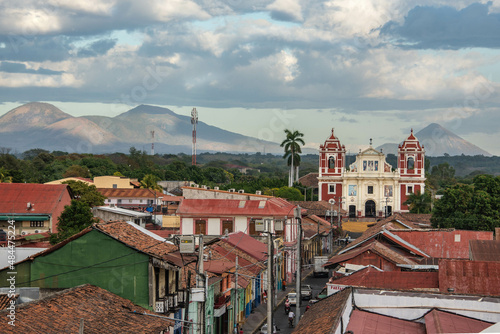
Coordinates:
(77, 171)
(150, 182)
(4, 178)
(72, 220)
(292, 148)
(419, 203)
(470, 207)
(85, 193)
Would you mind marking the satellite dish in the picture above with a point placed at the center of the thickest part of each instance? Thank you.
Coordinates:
(331, 201)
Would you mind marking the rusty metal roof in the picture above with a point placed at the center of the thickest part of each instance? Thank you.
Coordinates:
(370, 277)
(437, 321)
(469, 277)
(450, 243)
(484, 250)
(232, 207)
(367, 323)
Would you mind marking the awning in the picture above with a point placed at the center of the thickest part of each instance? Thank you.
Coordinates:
(220, 311)
(25, 218)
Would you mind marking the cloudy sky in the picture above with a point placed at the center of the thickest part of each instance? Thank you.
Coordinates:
(370, 68)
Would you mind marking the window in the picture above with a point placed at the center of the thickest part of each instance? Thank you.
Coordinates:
(411, 163)
(227, 226)
(130, 201)
(409, 190)
(331, 188)
(140, 201)
(331, 162)
(115, 186)
(119, 201)
(370, 189)
(200, 227)
(109, 201)
(37, 224)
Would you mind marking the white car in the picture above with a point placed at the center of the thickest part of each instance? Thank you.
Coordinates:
(263, 329)
(292, 298)
(306, 291)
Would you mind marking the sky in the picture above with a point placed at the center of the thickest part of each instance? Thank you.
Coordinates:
(369, 68)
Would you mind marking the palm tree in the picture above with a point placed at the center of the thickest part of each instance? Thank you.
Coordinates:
(292, 150)
(419, 203)
(149, 181)
(3, 176)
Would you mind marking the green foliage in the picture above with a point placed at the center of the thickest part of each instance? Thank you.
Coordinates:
(470, 207)
(82, 192)
(291, 145)
(72, 220)
(151, 182)
(289, 193)
(77, 171)
(419, 203)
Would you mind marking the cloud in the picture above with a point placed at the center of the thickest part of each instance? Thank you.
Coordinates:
(97, 48)
(286, 10)
(427, 27)
(9, 67)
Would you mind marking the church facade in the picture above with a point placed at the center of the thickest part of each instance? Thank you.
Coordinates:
(370, 187)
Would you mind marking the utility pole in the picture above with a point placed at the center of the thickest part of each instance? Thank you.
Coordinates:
(235, 306)
(194, 121)
(200, 284)
(270, 292)
(298, 283)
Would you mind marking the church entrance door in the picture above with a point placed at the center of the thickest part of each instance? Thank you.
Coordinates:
(370, 208)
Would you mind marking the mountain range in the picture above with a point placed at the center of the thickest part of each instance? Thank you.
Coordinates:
(42, 125)
(439, 141)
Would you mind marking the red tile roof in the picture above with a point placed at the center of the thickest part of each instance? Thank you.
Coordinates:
(130, 193)
(469, 277)
(43, 197)
(99, 311)
(450, 243)
(311, 224)
(5, 300)
(484, 250)
(232, 207)
(309, 180)
(395, 280)
(437, 321)
(368, 323)
(324, 316)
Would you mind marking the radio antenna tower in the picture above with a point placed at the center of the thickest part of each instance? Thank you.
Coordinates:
(194, 121)
(153, 142)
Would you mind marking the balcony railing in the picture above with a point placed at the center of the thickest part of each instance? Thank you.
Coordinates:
(171, 302)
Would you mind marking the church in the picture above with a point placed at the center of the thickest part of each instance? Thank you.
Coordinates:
(370, 187)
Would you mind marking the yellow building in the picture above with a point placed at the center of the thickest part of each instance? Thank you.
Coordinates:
(116, 182)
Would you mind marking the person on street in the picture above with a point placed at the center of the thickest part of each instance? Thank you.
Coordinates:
(291, 317)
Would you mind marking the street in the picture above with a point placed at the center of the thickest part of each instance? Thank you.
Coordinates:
(281, 319)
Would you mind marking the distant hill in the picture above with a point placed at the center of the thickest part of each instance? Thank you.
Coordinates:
(439, 141)
(42, 125)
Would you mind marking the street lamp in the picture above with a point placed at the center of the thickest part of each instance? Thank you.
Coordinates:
(332, 202)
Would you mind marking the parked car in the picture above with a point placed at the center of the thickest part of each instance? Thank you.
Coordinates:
(263, 329)
(306, 291)
(292, 298)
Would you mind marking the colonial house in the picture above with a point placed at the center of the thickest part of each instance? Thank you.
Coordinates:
(370, 187)
(32, 208)
(222, 216)
(120, 257)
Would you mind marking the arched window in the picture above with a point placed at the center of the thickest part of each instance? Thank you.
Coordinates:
(411, 163)
(331, 162)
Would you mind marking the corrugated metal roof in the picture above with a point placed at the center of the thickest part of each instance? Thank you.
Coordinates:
(437, 321)
(370, 277)
(367, 323)
(44, 198)
(375, 247)
(450, 244)
(484, 250)
(469, 277)
(232, 207)
(249, 245)
(130, 193)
